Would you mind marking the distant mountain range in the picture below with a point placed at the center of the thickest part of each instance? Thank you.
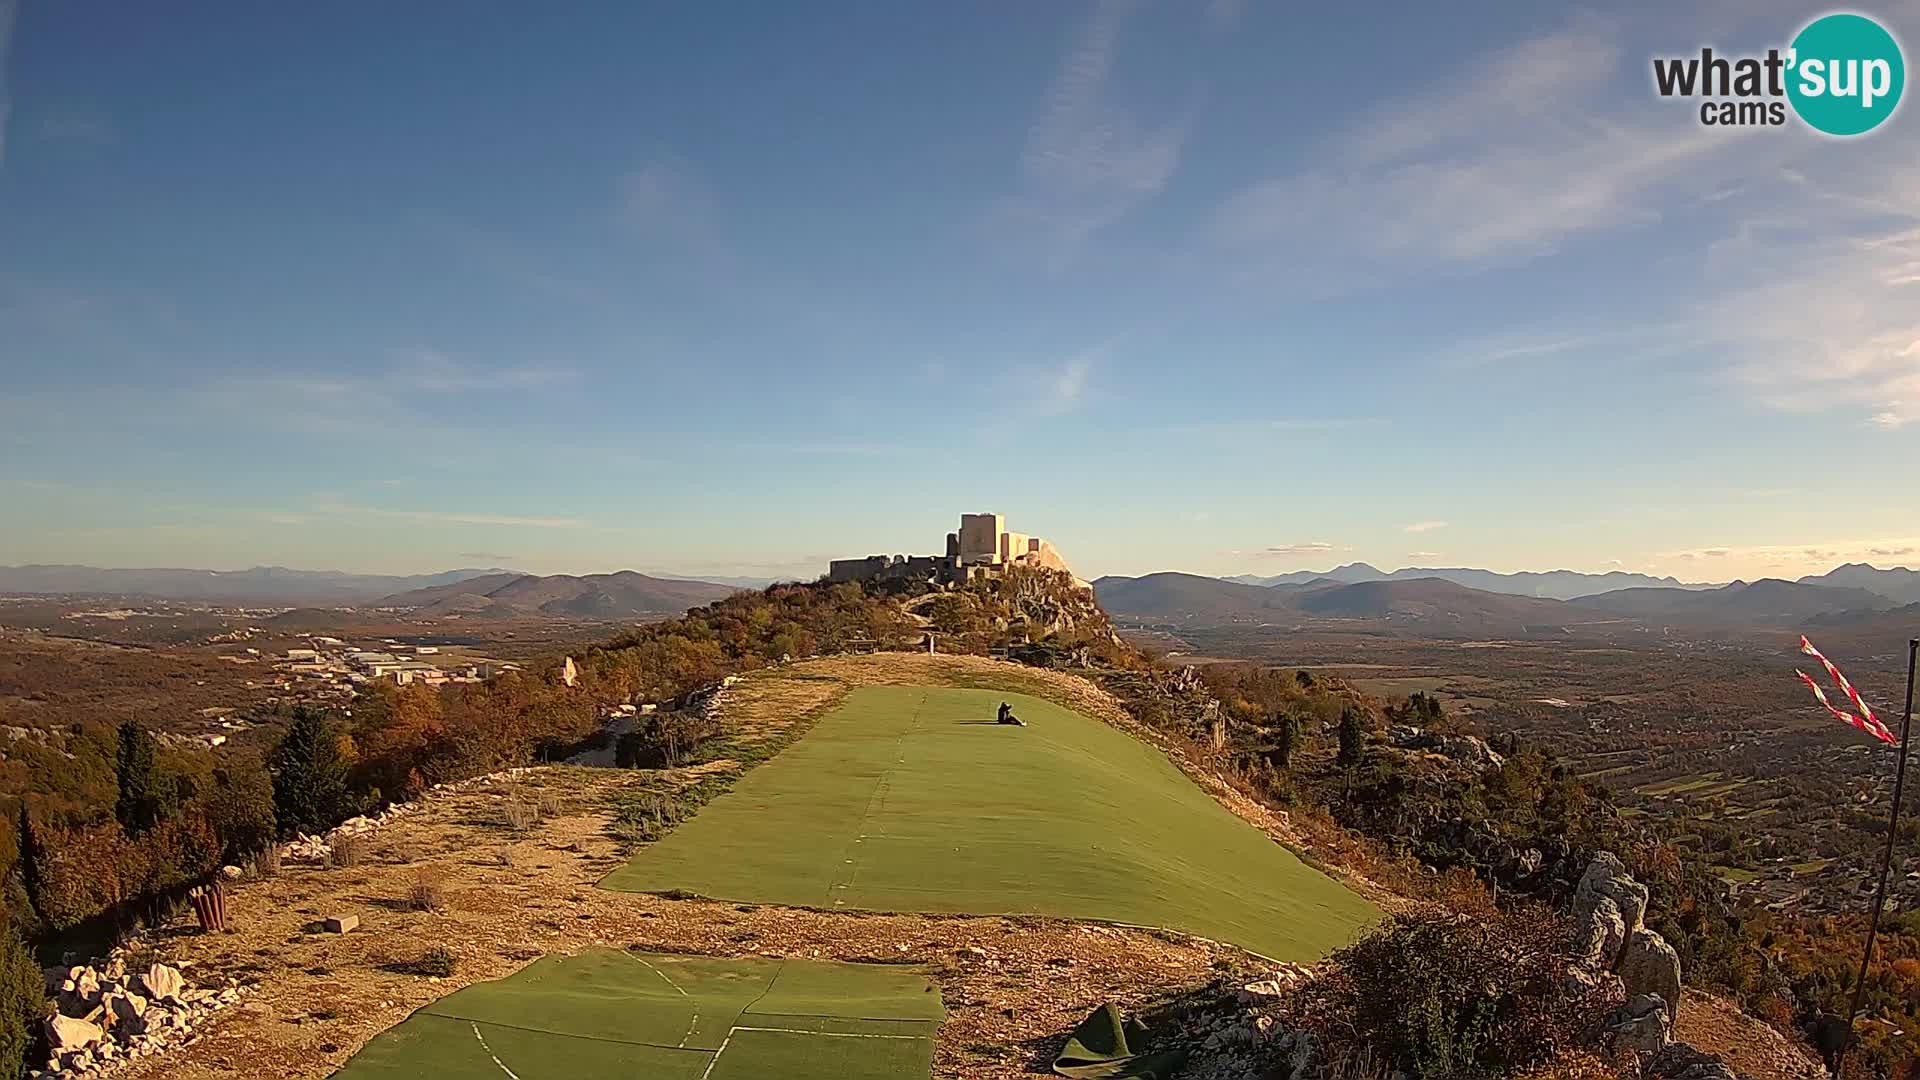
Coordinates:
(1766, 600)
(263, 585)
(1437, 603)
(605, 595)
(626, 594)
(1899, 584)
(1553, 584)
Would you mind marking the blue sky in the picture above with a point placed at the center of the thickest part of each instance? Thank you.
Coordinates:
(736, 288)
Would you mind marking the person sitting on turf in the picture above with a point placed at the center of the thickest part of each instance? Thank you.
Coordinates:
(1006, 716)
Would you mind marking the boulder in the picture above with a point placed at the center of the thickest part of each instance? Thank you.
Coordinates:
(123, 1005)
(1642, 1026)
(1583, 980)
(341, 924)
(1602, 931)
(1471, 750)
(84, 985)
(1682, 1062)
(64, 1033)
(163, 983)
(1606, 880)
(1648, 965)
(1255, 993)
(1607, 876)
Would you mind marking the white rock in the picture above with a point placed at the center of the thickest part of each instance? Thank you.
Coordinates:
(124, 1006)
(163, 983)
(1254, 992)
(66, 1033)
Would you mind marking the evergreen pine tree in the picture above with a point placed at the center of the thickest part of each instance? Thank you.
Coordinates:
(1353, 738)
(22, 1000)
(148, 796)
(1286, 734)
(310, 791)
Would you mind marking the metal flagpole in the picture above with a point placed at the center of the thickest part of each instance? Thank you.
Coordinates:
(1886, 862)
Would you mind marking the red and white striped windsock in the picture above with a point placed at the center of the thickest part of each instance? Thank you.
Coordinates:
(1865, 721)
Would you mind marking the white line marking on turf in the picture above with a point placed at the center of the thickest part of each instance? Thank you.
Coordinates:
(793, 1031)
(717, 1053)
(491, 1054)
(827, 1034)
(692, 1024)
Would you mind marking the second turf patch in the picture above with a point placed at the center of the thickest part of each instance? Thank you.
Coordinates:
(611, 1014)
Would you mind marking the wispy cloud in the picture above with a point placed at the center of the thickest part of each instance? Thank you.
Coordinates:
(1423, 526)
(345, 402)
(1088, 163)
(1312, 547)
(1056, 389)
(9, 12)
(1849, 334)
(1225, 14)
(664, 198)
(75, 123)
(1066, 386)
(433, 370)
(343, 509)
(489, 556)
(1823, 554)
(1421, 555)
(1502, 165)
(1549, 344)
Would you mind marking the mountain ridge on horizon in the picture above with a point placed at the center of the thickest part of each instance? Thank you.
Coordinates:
(1543, 584)
(267, 585)
(1452, 606)
(1895, 582)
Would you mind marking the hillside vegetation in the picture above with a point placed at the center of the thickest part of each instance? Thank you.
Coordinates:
(1422, 825)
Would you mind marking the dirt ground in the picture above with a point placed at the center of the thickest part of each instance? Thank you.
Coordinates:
(1715, 1024)
(501, 897)
(1012, 986)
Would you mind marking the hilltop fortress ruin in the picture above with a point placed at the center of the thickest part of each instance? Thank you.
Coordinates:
(981, 548)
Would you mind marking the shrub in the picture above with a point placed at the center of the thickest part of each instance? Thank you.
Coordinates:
(645, 818)
(22, 1002)
(429, 891)
(521, 815)
(265, 862)
(347, 851)
(665, 740)
(438, 962)
(240, 808)
(1451, 997)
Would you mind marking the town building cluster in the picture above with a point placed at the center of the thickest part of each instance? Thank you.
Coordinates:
(331, 659)
(981, 548)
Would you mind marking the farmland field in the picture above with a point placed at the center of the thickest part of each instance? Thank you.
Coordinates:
(914, 799)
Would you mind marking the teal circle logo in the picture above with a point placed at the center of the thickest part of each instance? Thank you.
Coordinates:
(1846, 74)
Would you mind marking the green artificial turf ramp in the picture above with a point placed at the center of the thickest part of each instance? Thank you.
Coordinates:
(913, 799)
(612, 1014)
